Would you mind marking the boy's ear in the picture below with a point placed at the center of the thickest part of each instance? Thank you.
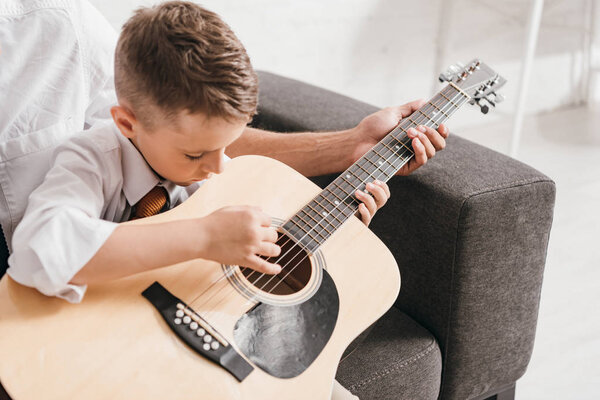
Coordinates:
(125, 120)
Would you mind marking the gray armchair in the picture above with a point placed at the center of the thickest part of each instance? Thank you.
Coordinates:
(469, 231)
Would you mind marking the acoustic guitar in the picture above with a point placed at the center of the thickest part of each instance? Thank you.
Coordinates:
(203, 330)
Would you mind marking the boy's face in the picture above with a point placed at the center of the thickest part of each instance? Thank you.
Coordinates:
(187, 148)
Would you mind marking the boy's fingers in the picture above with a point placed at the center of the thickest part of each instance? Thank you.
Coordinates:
(378, 193)
(368, 201)
(365, 216)
(420, 153)
(436, 139)
(265, 267)
(384, 186)
(270, 235)
(259, 216)
(444, 131)
(268, 249)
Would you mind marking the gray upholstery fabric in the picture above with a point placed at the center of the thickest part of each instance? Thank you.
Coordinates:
(389, 365)
(469, 231)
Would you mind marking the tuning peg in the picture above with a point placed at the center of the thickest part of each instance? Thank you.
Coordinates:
(483, 107)
(451, 72)
(499, 98)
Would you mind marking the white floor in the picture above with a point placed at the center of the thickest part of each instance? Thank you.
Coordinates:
(564, 145)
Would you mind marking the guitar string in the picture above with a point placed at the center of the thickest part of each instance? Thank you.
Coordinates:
(440, 111)
(376, 171)
(431, 105)
(457, 95)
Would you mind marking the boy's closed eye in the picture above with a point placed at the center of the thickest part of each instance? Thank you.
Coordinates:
(194, 158)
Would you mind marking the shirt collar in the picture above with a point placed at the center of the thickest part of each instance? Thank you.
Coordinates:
(138, 177)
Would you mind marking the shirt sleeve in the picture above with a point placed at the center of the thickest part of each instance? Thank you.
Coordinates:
(62, 229)
(98, 42)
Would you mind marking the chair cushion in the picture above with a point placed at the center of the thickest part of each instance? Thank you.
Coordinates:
(399, 359)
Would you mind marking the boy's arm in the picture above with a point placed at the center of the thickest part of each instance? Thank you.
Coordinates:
(60, 230)
(314, 154)
(62, 243)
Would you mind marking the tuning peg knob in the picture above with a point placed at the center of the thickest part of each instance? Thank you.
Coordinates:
(499, 98)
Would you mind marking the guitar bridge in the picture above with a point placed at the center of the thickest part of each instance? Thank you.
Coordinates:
(196, 332)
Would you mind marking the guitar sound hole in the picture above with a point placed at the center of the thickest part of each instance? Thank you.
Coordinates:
(295, 273)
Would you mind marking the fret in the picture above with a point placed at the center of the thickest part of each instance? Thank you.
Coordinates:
(352, 172)
(403, 144)
(338, 182)
(311, 229)
(304, 229)
(303, 240)
(381, 167)
(440, 110)
(317, 217)
(458, 90)
(378, 153)
(342, 195)
(427, 116)
(295, 227)
(322, 212)
(361, 167)
(320, 218)
(450, 101)
(334, 208)
(345, 179)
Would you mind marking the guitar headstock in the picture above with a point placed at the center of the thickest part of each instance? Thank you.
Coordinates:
(477, 80)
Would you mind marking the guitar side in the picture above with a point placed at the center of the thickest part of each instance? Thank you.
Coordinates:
(116, 345)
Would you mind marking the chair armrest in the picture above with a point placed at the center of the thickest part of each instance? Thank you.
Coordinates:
(469, 231)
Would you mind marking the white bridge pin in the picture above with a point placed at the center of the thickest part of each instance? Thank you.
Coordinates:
(179, 314)
(200, 332)
(206, 346)
(187, 319)
(177, 321)
(214, 345)
(207, 338)
(194, 325)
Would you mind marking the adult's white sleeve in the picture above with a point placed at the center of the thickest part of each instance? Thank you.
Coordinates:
(98, 42)
(62, 229)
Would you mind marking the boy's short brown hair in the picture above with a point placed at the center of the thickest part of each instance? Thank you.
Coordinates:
(179, 56)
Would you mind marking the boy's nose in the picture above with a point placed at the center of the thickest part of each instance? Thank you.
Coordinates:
(217, 164)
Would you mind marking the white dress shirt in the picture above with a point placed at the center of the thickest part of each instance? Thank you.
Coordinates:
(56, 78)
(95, 178)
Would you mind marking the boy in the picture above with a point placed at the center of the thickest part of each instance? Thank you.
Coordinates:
(186, 90)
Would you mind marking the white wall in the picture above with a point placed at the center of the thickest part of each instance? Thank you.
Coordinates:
(384, 51)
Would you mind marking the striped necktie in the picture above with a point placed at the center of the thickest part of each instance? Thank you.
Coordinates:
(151, 204)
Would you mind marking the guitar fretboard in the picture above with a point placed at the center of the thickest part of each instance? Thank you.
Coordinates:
(322, 216)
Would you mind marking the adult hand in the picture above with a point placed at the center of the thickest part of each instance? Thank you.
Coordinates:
(425, 141)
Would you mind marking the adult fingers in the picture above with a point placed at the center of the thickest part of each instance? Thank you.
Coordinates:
(407, 109)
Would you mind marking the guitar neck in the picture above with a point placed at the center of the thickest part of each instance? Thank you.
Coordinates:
(322, 216)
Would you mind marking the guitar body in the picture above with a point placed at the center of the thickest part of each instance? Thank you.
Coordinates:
(116, 345)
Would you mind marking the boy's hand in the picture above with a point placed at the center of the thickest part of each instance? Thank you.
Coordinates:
(379, 195)
(238, 235)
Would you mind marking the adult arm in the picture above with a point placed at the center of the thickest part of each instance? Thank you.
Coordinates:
(320, 153)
